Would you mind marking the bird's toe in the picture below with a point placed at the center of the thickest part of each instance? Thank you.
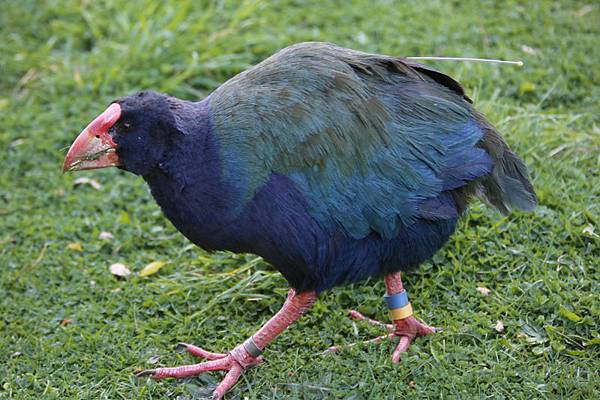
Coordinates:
(199, 351)
(146, 372)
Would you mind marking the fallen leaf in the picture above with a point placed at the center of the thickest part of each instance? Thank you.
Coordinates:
(87, 181)
(499, 326)
(120, 270)
(483, 290)
(526, 87)
(152, 268)
(528, 49)
(589, 231)
(105, 236)
(75, 246)
(570, 315)
(583, 10)
(124, 218)
(16, 143)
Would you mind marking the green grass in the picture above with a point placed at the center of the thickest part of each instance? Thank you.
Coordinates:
(62, 62)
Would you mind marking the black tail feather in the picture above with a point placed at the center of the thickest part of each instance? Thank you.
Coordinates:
(508, 185)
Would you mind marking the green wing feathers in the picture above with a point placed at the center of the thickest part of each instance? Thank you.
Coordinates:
(369, 140)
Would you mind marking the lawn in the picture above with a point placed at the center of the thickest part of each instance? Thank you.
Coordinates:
(70, 329)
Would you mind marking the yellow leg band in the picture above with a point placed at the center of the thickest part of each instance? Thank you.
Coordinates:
(401, 313)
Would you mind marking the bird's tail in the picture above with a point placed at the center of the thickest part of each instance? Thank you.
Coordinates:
(508, 185)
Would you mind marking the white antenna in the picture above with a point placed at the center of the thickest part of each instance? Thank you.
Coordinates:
(485, 60)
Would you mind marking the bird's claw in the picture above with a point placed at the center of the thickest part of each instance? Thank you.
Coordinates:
(181, 347)
(235, 362)
(146, 372)
(406, 329)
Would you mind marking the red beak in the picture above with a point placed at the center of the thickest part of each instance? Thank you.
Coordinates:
(94, 147)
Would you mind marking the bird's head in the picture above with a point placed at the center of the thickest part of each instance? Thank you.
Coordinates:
(134, 133)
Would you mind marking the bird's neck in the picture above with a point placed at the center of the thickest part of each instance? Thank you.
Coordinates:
(188, 183)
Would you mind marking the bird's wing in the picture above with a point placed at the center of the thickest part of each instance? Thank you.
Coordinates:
(370, 141)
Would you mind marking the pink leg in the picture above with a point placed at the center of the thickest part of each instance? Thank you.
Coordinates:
(237, 360)
(406, 329)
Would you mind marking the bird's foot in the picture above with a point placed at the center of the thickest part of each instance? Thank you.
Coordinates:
(406, 329)
(235, 362)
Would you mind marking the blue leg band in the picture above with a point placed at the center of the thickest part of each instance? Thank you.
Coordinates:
(397, 300)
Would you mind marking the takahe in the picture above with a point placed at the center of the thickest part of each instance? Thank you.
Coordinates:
(332, 164)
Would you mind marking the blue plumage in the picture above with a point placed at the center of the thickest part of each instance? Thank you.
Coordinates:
(278, 222)
(333, 165)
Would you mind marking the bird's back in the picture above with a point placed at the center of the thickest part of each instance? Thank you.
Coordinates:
(381, 156)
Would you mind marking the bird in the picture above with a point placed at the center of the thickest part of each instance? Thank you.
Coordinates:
(333, 165)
